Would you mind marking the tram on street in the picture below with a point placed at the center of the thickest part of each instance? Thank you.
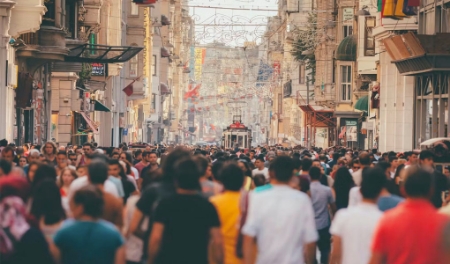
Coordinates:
(237, 135)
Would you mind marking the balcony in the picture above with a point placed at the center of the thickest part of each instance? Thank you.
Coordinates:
(48, 43)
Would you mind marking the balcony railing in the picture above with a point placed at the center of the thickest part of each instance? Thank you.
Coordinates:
(30, 38)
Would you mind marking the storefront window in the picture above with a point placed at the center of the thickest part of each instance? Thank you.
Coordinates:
(346, 83)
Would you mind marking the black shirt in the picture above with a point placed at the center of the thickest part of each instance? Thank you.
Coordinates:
(440, 185)
(187, 222)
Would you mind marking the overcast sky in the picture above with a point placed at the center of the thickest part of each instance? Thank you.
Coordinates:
(233, 21)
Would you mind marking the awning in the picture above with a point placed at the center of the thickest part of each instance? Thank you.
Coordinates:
(102, 53)
(100, 107)
(416, 54)
(84, 89)
(346, 51)
(164, 89)
(363, 104)
(89, 122)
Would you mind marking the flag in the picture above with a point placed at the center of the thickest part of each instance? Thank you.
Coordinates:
(128, 90)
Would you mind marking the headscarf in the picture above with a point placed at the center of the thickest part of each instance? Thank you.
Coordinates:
(13, 223)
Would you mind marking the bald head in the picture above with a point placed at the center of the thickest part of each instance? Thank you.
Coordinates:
(364, 158)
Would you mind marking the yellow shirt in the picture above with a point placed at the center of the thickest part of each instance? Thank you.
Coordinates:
(227, 206)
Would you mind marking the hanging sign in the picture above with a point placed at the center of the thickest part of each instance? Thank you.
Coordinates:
(98, 69)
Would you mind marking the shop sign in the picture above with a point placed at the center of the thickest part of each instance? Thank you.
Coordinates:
(347, 15)
(98, 69)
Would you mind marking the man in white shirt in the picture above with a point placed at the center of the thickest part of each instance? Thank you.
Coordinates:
(364, 161)
(260, 169)
(353, 227)
(281, 219)
(83, 181)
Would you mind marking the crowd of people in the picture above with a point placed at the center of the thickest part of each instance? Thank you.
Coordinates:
(209, 205)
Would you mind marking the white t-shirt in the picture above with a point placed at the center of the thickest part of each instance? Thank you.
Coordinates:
(264, 171)
(282, 221)
(355, 226)
(81, 182)
(357, 177)
(355, 196)
(135, 172)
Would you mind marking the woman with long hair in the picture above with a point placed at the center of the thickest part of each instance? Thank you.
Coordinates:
(245, 167)
(343, 182)
(65, 180)
(47, 207)
(128, 158)
(49, 151)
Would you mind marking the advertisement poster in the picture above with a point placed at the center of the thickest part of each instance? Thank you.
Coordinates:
(351, 130)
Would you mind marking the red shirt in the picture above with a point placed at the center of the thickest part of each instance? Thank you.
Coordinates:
(140, 166)
(410, 233)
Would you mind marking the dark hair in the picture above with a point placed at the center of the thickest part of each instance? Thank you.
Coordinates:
(248, 171)
(315, 173)
(384, 165)
(87, 144)
(8, 149)
(259, 180)
(216, 167)
(392, 158)
(47, 202)
(137, 153)
(91, 198)
(202, 163)
(61, 152)
(282, 167)
(306, 164)
(187, 174)
(297, 164)
(232, 177)
(343, 182)
(72, 172)
(260, 159)
(418, 182)
(373, 181)
(6, 166)
(426, 154)
(364, 158)
(44, 171)
(128, 156)
(150, 177)
(98, 171)
(168, 168)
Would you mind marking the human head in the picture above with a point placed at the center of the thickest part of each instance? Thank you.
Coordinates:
(47, 203)
(364, 159)
(72, 158)
(394, 161)
(87, 201)
(114, 168)
(82, 171)
(67, 177)
(259, 163)
(426, 158)
(61, 159)
(49, 148)
(34, 156)
(413, 158)
(314, 173)
(98, 172)
(152, 158)
(14, 186)
(259, 180)
(22, 162)
(138, 154)
(418, 183)
(187, 174)
(87, 148)
(306, 164)
(8, 154)
(3, 143)
(5, 167)
(203, 165)
(373, 181)
(168, 169)
(282, 169)
(126, 156)
(356, 165)
(115, 155)
(232, 177)
(44, 171)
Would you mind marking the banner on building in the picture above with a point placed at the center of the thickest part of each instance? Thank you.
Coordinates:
(199, 60)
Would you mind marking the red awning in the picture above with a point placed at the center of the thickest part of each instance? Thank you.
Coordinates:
(89, 122)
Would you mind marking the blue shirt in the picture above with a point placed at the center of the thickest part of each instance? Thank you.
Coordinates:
(88, 242)
(321, 196)
(118, 184)
(388, 202)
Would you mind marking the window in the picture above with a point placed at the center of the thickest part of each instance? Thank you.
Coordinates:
(154, 65)
(347, 30)
(134, 9)
(301, 74)
(346, 83)
(154, 101)
(134, 66)
(369, 40)
(70, 19)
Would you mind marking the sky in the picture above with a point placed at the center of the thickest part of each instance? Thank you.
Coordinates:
(232, 22)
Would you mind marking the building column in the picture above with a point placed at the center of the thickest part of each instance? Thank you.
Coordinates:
(5, 100)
